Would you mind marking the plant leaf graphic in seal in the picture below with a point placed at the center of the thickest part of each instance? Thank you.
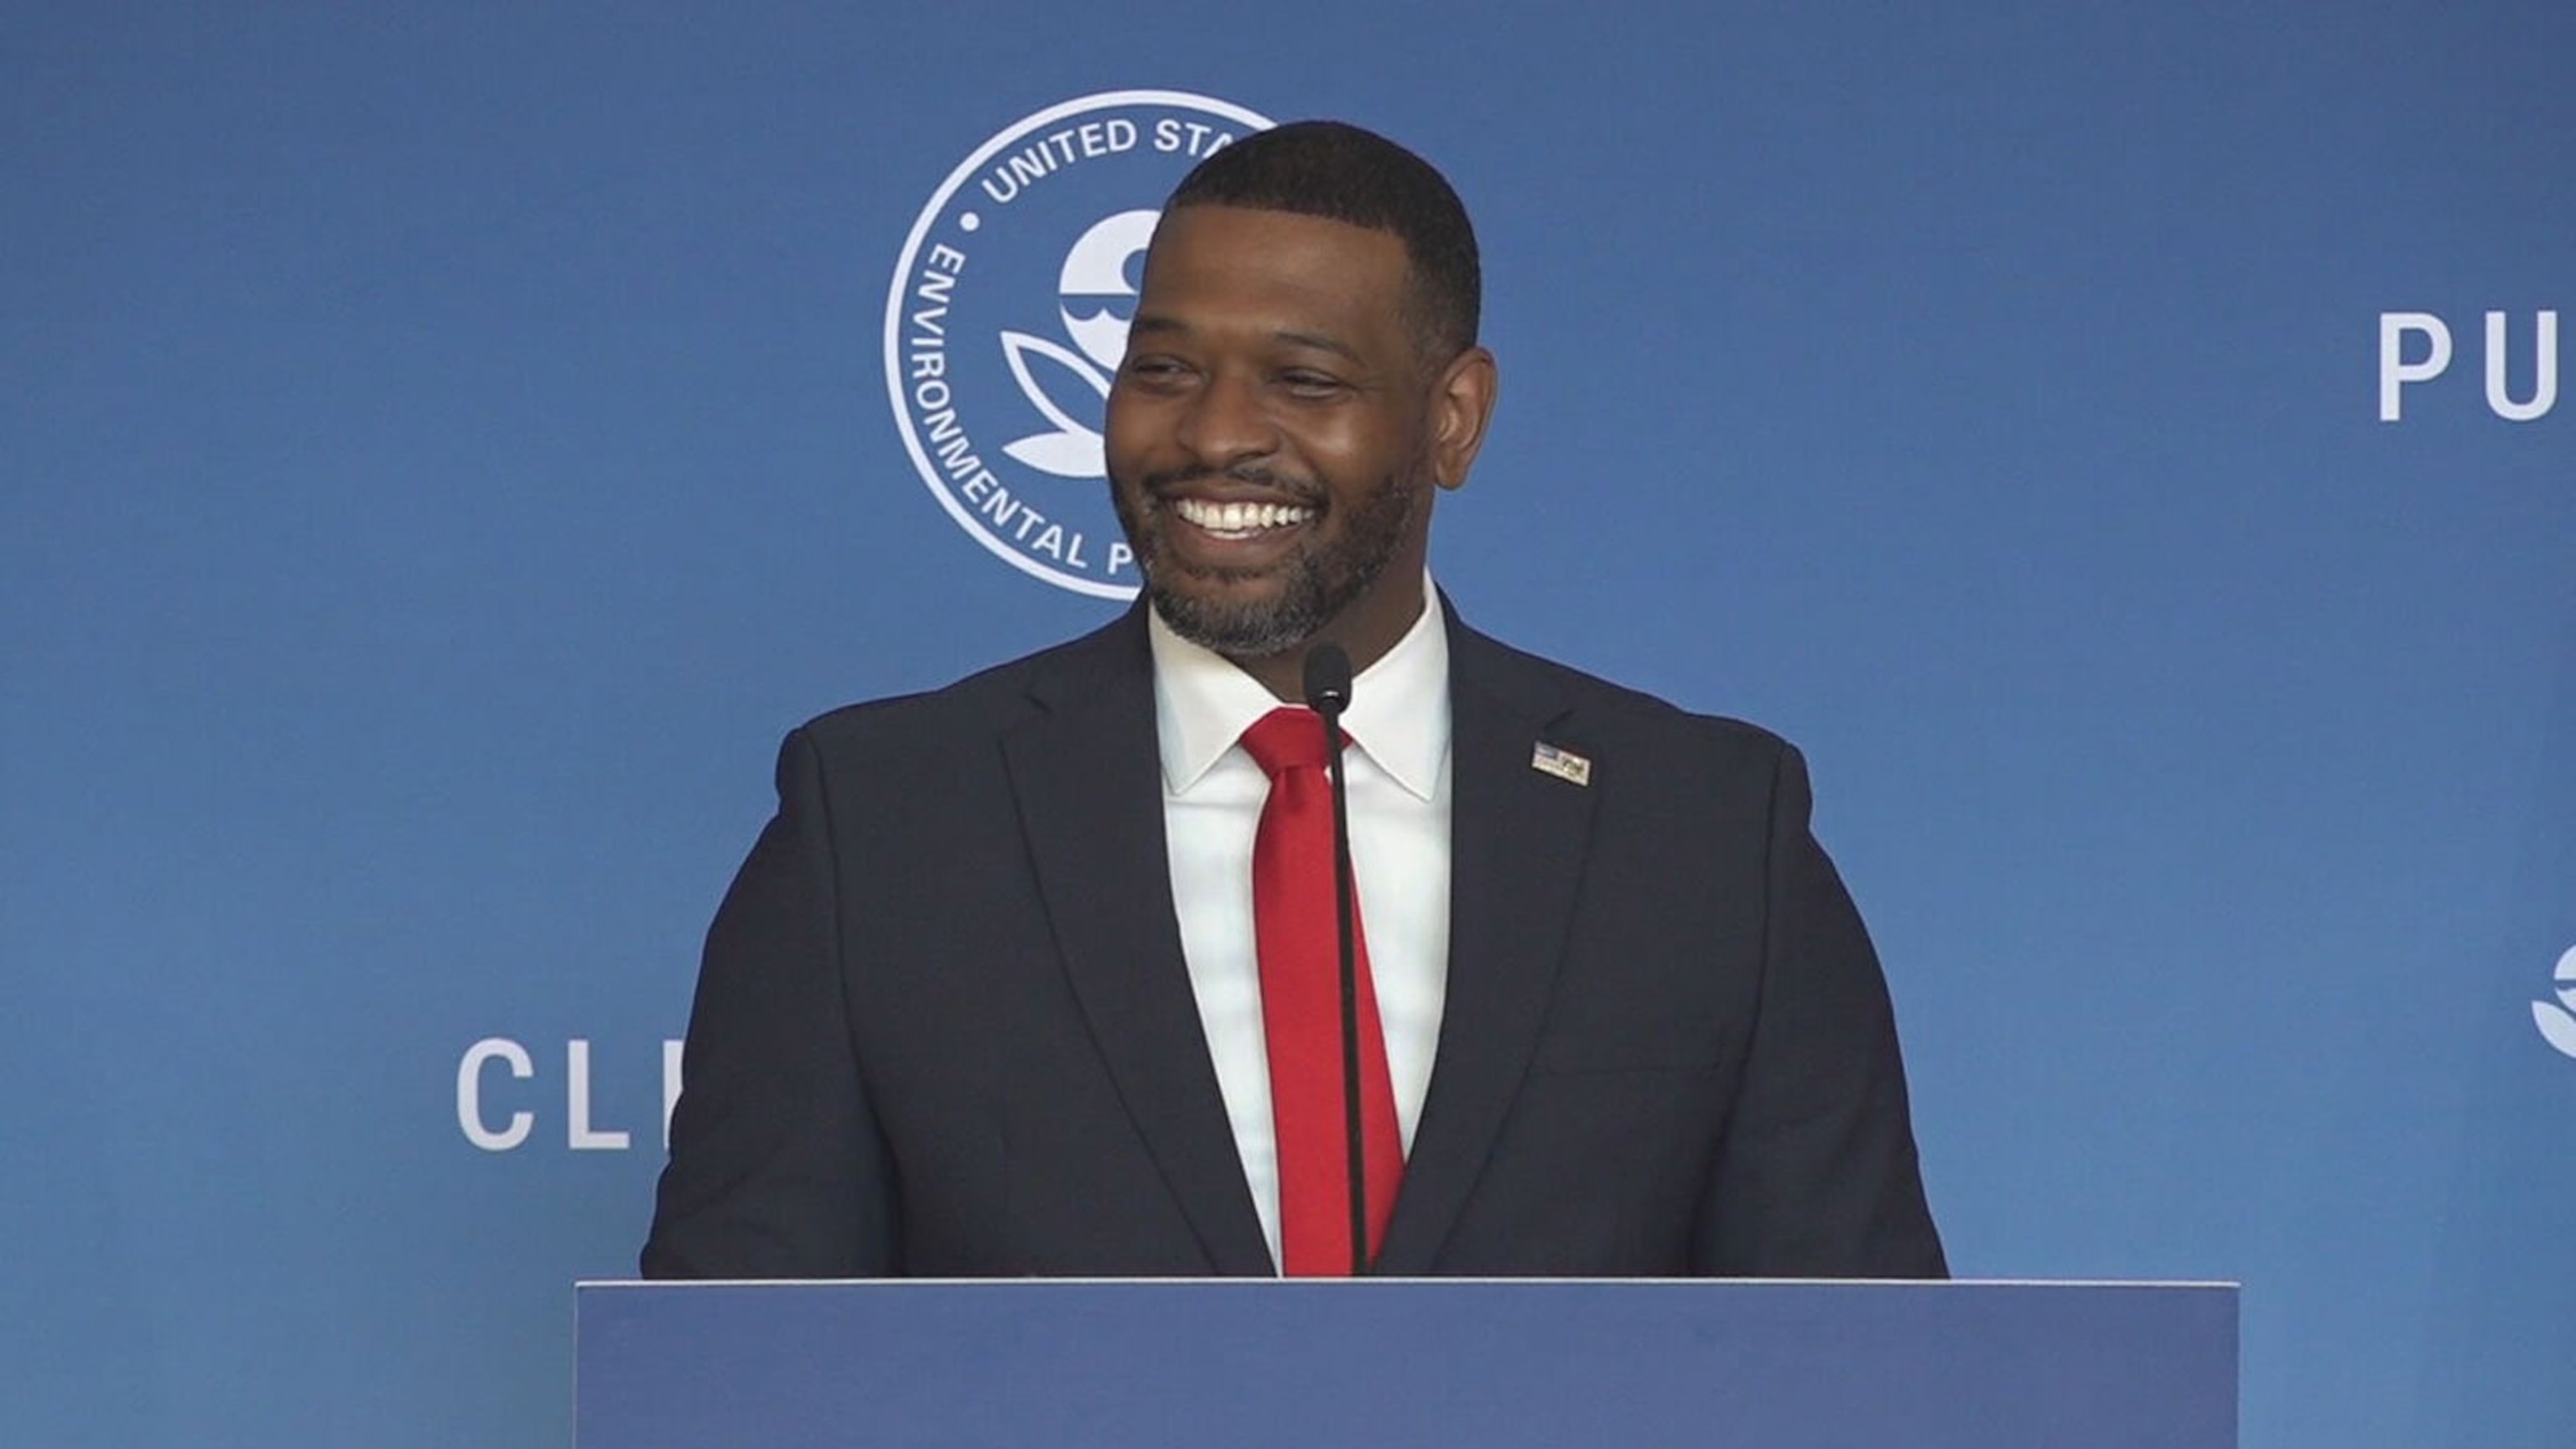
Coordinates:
(2557, 1027)
(1097, 301)
(1007, 317)
(2557, 1019)
(1072, 450)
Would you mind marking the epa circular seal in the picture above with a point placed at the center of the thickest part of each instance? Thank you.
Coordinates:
(1008, 315)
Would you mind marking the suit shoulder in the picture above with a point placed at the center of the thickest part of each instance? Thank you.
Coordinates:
(1624, 714)
(977, 707)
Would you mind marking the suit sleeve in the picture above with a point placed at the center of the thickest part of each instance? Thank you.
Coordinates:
(777, 1167)
(1816, 1174)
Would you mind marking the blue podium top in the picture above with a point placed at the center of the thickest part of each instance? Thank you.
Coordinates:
(1497, 1365)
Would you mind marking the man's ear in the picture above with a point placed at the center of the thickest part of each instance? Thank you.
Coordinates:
(1462, 404)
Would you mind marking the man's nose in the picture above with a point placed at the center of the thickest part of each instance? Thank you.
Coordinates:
(1225, 423)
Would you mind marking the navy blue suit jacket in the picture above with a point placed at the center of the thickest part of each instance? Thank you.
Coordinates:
(944, 1027)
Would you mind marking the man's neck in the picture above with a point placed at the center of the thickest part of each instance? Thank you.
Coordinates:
(1366, 640)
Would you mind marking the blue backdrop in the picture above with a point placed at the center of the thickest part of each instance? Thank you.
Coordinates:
(445, 446)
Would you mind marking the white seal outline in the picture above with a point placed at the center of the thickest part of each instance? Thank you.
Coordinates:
(921, 225)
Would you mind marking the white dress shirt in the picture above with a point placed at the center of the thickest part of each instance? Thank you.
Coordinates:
(1397, 772)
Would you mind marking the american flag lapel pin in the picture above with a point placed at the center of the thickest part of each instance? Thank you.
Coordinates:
(1565, 765)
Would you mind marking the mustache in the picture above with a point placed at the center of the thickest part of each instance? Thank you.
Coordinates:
(1290, 487)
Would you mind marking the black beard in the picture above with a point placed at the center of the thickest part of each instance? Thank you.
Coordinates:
(1322, 579)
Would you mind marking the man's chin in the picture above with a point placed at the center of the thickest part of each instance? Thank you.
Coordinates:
(1238, 622)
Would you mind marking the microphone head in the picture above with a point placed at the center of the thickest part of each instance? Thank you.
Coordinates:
(1328, 679)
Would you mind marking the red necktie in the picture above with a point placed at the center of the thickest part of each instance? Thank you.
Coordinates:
(1296, 928)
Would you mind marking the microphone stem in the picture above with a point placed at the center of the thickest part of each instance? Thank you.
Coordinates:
(1342, 898)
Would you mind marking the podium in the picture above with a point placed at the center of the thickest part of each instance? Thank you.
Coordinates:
(1516, 1364)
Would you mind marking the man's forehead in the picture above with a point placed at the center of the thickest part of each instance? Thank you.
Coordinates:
(1298, 272)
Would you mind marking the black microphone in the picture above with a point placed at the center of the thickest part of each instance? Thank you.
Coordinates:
(1328, 693)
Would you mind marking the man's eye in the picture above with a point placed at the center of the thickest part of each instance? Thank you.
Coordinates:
(1311, 384)
(1153, 369)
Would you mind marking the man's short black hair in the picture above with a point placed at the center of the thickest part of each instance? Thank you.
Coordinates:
(1341, 172)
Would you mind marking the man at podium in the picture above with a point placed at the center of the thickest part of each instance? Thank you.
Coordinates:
(1050, 972)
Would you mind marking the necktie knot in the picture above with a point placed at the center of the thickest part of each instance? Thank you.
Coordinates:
(1286, 739)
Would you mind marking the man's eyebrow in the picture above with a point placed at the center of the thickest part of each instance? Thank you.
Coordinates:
(1321, 342)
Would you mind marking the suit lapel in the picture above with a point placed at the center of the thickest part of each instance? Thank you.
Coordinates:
(1517, 843)
(1089, 783)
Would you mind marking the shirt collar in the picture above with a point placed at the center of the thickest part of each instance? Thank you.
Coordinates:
(1399, 714)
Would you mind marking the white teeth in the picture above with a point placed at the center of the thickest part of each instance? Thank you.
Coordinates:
(1238, 518)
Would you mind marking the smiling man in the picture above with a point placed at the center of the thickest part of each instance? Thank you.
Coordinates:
(1062, 995)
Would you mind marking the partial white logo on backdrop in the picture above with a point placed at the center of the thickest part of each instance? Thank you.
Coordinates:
(2557, 1019)
(499, 1114)
(2416, 347)
(1008, 315)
